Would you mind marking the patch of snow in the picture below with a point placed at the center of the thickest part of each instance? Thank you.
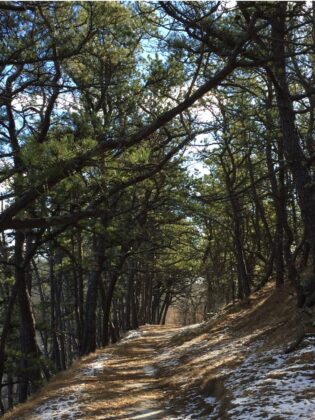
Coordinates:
(150, 370)
(131, 335)
(168, 359)
(266, 385)
(194, 409)
(191, 326)
(66, 406)
(96, 367)
(270, 384)
(210, 400)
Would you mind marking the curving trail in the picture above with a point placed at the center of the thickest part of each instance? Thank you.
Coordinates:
(231, 367)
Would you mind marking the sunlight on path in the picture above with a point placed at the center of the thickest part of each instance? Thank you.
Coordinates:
(153, 374)
(118, 384)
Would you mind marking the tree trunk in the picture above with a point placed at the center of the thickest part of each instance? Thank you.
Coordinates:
(291, 142)
(110, 294)
(6, 330)
(30, 369)
(89, 340)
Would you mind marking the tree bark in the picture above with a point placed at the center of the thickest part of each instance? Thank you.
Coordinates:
(89, 336)
(291, 142)
(110, 294)
(30, 369)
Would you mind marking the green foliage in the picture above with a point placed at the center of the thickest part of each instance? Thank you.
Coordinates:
(57, 148)
(98, 117)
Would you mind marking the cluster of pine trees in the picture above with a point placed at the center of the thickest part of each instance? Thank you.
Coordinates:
(108, 110)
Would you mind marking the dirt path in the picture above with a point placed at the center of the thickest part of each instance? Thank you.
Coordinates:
(231, 367)
(118, 382)
(128, 387)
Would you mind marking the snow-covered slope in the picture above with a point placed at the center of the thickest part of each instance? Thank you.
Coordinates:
(235, 367)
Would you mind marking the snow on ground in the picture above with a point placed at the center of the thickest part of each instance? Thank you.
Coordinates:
(131, 335)
(150, 370)
(191, 326)
(167, 359)
(273, 384)
(95, 367)
(257, 383)
(195, 409)
(265, 384)
(66, 406)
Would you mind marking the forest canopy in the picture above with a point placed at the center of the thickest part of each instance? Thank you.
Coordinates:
(152, 154)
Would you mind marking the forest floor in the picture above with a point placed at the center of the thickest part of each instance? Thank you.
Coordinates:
(231, 367)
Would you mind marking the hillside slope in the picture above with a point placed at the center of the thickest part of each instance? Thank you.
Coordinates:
(232, 367)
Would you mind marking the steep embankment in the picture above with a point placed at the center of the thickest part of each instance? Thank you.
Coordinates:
(232, 367)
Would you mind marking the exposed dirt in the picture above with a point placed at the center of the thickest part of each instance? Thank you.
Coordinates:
(232, 367)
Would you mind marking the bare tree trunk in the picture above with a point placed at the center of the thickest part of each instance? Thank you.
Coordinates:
(89, 340)
(129, 300)
(291, 142)
(6, 331)
(110, 294)
(30, 370)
